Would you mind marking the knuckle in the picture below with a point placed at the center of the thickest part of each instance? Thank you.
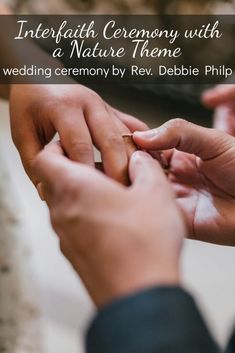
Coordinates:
(113, 140)
(43, 110)
(38, 108)
(69, 188)
(71, 215)
(51, 109)
(65, 193)
(86, 95)
(65, 216)
(93, 95)
(176, 123)
(81, 147)
(71, 195)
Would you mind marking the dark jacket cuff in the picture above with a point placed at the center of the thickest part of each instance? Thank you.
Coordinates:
(159, 320)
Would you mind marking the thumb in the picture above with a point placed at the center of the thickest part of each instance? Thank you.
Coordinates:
(187, 137)
(146, 173)
(61, 177)
(221, 94)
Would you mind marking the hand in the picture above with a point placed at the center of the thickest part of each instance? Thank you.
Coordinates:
(222, 98)
(202, 172)
(119, 239)
(80, 117)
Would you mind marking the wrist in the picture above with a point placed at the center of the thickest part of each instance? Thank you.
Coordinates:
(128, 283)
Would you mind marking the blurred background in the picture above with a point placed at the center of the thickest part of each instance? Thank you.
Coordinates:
(123, 6)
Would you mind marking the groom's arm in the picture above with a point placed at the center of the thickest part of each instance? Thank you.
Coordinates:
(160, 320)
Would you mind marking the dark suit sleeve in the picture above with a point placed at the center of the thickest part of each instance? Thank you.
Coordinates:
(231, 345)
(159, 320)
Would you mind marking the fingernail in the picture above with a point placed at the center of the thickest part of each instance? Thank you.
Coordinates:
(140, 155)
(146, 134)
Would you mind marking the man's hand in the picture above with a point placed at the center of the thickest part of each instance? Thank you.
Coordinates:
(202, 165)
(119, 239)
(222, 98)
(80, 117)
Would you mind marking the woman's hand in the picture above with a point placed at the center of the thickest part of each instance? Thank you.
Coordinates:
(202, 172)
(119, 239)
(80, 117)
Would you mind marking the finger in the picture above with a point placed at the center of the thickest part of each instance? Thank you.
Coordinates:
(127, 137)
(219, 95)
(75, 136)
(45, 193)
(130, 122)
(60, 176)
(129, 145)
(162, 157)
(146, 173)
(224, 119)
(51, 166)
(107, 137)
(29, 145)
(187, 137)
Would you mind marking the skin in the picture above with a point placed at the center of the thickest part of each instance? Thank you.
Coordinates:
(76, 113)
(110, 233)
(79, 116)
(202, 174)
(222, 99)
